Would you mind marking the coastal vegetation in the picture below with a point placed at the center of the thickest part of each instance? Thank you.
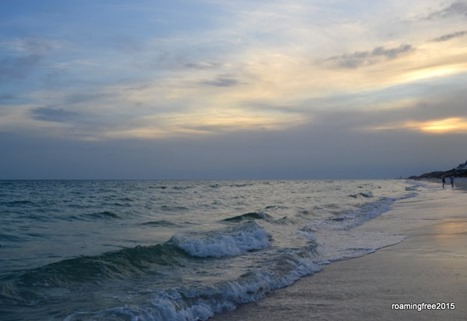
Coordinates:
(459, 171)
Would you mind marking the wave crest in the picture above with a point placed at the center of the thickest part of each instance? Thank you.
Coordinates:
(248, 216)
(229, 242)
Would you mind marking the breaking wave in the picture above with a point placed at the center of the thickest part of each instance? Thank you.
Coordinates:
(229, 242)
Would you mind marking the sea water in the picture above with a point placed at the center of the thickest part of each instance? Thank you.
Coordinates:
(175, 250)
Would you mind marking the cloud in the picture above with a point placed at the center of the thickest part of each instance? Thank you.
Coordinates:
(21, 56)
(77, 98)
(17, 68)
(201, 124)
(7, 97)
(31, 45)
(53, 114)
(203, 65)
(221, 82)
(450, 36)
(458, 8)
(370, 57)
(436, 113)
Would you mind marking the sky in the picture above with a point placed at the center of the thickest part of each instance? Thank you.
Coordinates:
(245, 89)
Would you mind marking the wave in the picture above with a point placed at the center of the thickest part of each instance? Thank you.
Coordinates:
(160, 223)
(108, 266)
(173, 208)
(25, 203)
(101, 215)
(182, 188)
(193, 302)
(241, 185)
(232, 241)
(201, 303)
(363, 194)
(159, 187)
(362, 214)
(248, 216)
(139, 260)
(10, 238)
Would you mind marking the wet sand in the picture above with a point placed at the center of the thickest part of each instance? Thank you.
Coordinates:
(429, 266)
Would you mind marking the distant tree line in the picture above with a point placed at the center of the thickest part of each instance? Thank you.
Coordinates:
(459, 171)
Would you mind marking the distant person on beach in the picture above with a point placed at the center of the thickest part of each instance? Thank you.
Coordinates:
(452, 181)
(443, 179)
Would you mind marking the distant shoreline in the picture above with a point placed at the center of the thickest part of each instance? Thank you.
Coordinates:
(459, 182)
(459, 171)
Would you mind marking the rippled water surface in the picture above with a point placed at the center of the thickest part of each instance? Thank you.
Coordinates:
(174, 250)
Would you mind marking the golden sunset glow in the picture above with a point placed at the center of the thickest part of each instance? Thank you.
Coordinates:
(204, 124)
(455, 125)
(435, 72)
(443, 126)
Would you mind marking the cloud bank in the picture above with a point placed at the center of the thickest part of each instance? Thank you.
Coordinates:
(231, 89)
(370, 57)
(450, 36)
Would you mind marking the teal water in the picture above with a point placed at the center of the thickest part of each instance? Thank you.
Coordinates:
(174, 250)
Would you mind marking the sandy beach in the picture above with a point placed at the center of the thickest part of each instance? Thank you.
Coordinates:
(428, 267)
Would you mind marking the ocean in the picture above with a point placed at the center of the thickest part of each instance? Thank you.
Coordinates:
(176, 249)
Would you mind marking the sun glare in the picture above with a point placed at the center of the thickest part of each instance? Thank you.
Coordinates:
(437, 72)
(442, 126)
(453, 125)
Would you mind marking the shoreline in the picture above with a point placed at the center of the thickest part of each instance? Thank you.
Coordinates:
(428, 266)
(460, 183)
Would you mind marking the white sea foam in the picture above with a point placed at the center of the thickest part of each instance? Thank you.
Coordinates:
(228, 242)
